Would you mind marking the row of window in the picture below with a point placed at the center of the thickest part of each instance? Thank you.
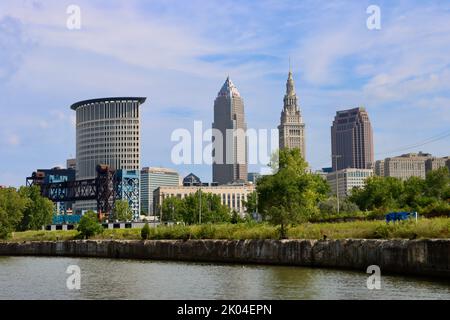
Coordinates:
(107, 110)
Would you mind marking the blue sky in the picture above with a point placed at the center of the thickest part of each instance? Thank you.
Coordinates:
(178, 54)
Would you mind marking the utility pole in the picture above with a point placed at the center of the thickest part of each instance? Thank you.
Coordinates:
(336, 156)
(200, 206)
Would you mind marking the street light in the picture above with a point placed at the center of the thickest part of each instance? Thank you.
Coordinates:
(335, 157)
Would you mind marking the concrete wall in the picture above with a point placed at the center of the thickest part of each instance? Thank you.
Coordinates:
(420, 257)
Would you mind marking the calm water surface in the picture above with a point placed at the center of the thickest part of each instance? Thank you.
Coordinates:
(45, 278)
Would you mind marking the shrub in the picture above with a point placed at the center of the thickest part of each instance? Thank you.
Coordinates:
(89, 225)
(145, 232)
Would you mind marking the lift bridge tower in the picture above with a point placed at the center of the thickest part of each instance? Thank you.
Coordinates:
(108, 187)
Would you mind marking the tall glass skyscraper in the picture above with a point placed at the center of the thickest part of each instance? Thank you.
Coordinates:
(230, 146)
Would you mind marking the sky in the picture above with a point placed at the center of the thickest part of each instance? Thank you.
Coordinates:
(178, 54)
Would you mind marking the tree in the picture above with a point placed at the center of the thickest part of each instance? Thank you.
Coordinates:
(188, 210)
(378, 193)
(12, 206)
(89, 225)
(145, 232)
(437, 183)
(172, 209)
(39, 210)
(413, 196)
(122, 211)
(251, 203)
(236, 218)
(329, 206)
(291, 194)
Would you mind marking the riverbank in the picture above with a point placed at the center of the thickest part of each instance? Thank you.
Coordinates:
(436, 228)
(413, 257)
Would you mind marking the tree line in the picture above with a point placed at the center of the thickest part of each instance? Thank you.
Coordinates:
(23, 209)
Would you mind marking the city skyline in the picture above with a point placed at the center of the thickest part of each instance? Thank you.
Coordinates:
(338, 63)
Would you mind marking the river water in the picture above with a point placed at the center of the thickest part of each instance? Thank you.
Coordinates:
(46, 277)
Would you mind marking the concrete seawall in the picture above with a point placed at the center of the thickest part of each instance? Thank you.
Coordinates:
(414, 257)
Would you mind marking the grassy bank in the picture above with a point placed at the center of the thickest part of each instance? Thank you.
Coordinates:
(425, 228)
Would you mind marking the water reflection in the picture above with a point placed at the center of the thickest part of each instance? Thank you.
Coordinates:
(45, 278)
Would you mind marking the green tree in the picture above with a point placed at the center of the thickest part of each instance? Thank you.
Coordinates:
(172, 209)
(236, 218)
(89, 226)
(378, 193)
(437, 184)
(39, 210)
(145, 232)
(187, 210)
(329, 206)
(251, 203)
(291, 194)
(413, 196)
(12, 206)
(122, 211)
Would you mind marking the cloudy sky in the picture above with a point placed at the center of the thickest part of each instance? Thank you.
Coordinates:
(178, 54)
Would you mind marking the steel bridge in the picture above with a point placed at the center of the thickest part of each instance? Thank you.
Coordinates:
(106, 188)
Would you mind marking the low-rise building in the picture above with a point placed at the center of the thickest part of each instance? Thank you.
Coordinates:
(231, 195)
(436, 163)
(406, 166)
(347, 180)
(379, 168)
(324, 172)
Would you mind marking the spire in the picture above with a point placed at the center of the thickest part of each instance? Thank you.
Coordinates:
(229, 89)
(290, 86)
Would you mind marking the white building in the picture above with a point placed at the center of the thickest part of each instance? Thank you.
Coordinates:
(230, 195)
(348, 179)
(107, 132)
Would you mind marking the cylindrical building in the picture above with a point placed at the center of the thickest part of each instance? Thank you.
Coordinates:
(107, 132)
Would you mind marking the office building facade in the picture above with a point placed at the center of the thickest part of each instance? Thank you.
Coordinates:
(343, 181)
(107, 132)
(230, 146)
(409, 165)
(352, 140)
(435, 163)
(151, 179)
(231, 196)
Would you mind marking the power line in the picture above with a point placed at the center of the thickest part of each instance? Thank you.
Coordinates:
(432, 139)
(429, 140)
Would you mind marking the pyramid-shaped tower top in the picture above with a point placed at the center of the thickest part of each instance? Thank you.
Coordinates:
(229, 89)
(290, 86)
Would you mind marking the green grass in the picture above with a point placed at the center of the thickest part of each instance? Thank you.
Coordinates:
(423, 229)
(43, 235)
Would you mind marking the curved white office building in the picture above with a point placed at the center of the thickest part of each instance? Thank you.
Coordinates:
(107, 132)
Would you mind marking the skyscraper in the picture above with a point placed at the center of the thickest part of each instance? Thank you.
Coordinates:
(291, 129)
(107, 132)
(151, 179)
(230, 145)
(352, 140)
